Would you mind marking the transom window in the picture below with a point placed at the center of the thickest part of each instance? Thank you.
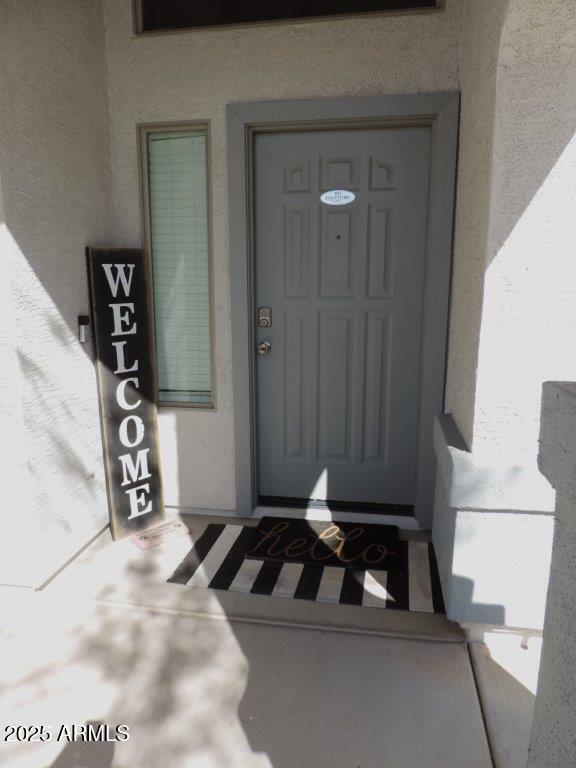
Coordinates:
(156, 15)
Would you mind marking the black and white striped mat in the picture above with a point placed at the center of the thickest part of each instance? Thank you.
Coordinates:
(217, 560)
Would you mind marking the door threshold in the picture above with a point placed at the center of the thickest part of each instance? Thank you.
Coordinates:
(320, 513)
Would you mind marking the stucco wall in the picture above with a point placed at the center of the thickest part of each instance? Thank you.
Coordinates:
(490, 514)
(193, 75)
(55, 190)
(528, 308)
(513, 299)
(553, 741)
(515, 228)
(481, 31)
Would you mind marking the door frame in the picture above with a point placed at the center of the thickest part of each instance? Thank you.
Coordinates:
(439, 111)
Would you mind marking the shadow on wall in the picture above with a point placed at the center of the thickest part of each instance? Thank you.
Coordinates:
(54, 430)
(536, 108)
(479, 545)
(528, 302)
(553, 741)
(491, 613)
(513, 261)
(54, 151)
(55, 197)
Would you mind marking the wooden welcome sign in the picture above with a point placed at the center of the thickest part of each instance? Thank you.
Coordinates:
(125, 373)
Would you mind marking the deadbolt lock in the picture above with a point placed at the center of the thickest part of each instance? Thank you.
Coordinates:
(264, 317)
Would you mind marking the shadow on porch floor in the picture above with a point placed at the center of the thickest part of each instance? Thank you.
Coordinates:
(215, 679)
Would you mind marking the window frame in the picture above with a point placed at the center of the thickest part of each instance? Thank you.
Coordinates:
(143, 130)
(139, 32)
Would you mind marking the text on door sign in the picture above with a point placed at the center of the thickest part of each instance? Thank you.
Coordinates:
(125, 373)
(338, 197)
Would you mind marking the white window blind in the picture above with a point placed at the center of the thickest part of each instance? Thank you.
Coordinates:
(179, 245)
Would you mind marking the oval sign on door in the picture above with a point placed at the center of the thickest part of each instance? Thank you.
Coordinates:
(338, 197)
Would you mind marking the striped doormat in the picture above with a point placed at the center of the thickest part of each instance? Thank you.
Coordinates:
(218, 560)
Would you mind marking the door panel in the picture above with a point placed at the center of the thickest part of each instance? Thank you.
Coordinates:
(338, 393)
(336, 256)
(377, 388)
(335, 398)
(297, 252)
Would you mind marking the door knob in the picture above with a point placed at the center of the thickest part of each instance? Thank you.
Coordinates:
(264, 347)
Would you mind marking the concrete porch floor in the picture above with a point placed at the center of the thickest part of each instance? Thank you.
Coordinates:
(218, 679)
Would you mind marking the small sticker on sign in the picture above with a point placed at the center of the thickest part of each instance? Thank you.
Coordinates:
(338, 197)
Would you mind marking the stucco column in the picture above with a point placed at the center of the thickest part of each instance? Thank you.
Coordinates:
(553, 741)
(512, 305)
(530, 270)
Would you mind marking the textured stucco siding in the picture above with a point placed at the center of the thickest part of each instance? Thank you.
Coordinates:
(55, 188)
(512, 302)
(512, 298)
(193, 75)
(481, 31)
(553, 740)
(493, 531)
(528, 309)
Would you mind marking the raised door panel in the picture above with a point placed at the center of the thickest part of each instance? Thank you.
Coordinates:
(336, 267)
(295, 375)
(335, 385)
(296, 252)
(377, 387)
(339, 172)
(380, 256)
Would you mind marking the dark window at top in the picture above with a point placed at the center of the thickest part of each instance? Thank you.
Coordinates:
(178, 14)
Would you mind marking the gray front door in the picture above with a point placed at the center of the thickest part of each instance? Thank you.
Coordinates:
(338, 391)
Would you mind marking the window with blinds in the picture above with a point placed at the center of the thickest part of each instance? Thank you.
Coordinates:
(178, 208)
